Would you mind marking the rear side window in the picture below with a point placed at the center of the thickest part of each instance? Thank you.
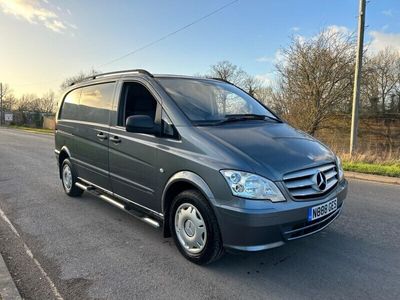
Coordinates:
(95, 103)
(69, 108)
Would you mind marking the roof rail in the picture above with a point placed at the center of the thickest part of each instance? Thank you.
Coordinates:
(94, 76)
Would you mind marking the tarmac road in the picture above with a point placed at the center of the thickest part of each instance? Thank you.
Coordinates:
(85, 248)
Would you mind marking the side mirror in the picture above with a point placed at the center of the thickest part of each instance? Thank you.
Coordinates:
(140, 124)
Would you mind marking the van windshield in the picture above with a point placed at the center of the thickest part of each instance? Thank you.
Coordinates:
(212, 102)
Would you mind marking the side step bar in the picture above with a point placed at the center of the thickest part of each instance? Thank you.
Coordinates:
(125, 208)
(84, 187)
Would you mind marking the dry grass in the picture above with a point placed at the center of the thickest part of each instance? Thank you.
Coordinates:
(33, 130)
(372, 158)
(371, 163)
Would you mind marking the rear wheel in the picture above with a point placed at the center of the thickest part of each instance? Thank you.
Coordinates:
(194, 228)
(69, 178)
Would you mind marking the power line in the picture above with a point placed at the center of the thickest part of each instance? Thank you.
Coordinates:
(170, 34)
(149, 44)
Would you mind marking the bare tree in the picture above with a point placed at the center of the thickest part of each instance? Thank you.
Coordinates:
(47, 103)
(396, 108)
(386, 128)
(369, 87)
(33, 103)
(8, 98)
(315, 79)
(228, 71)
(382, 80)
(252, 85)
(77, 78)
(265, 95)
(27, 102)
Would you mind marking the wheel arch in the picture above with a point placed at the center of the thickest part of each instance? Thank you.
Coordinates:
(64, 153)
(179, 182)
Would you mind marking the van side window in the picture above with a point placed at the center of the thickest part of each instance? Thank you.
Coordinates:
(95, 103)
(69, 109)
(135, 100)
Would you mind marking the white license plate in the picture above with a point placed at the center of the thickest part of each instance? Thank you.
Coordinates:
(321, 210)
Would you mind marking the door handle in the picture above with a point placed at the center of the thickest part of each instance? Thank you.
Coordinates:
(101, 136)
(115, 139)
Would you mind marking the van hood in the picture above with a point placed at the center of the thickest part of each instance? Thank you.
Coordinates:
(271, 149)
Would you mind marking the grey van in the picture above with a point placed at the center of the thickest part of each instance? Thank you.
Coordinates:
(199, 158)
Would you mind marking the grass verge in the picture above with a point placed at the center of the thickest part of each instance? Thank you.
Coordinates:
(34, 130)
(385, 168)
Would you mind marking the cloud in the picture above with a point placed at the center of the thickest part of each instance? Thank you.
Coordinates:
(385, 27)
(35, 12)
(338, 29)
(265, 59)
(278, 57)
(295, 29)
(56, 26)
(268, 78)
(381, 40)
(343, 31)
(301, 38)
(388, 12)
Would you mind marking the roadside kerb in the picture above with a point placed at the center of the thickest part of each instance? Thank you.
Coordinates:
(8, 290)
(370, 177)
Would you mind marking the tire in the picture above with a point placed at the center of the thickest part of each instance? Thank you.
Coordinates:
(194, 228)
(69, 178)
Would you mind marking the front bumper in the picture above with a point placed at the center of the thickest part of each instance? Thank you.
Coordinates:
(253, 225)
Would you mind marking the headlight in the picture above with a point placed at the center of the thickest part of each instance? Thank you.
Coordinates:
(340, 168)
(248, 185)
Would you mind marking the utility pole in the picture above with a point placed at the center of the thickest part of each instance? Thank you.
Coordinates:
(1, 104)
(357, 78)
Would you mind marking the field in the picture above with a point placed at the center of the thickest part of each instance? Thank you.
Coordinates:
(378, 137)
(378, 149)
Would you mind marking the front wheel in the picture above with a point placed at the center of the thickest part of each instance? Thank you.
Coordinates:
(68, 178)
(194, 228)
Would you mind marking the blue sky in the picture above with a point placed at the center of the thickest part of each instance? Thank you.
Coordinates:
(45, 41)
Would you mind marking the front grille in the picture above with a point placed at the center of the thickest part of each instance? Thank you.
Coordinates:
(303, 184)
(306, 228)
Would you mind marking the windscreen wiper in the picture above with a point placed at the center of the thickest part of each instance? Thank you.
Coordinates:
(244, 117)
(235, 118)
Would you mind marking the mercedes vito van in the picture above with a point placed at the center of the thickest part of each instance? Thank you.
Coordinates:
(199, 158)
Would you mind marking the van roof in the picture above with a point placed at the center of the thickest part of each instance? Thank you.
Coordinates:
(124, 73)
